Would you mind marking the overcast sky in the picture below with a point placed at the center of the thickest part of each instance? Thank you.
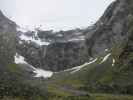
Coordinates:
(54, 14)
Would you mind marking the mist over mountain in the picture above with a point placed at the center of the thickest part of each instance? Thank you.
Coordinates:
(56, 15)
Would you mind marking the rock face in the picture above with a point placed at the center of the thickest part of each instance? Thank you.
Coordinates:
(7, 39)
(60, 56)
(66, 50)
(120, 39)
(126, 55)
(111, 29)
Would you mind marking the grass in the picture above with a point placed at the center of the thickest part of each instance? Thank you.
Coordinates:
(19, 98)
(97, 78)
(93, 97)
(110, 97)
(53, 89)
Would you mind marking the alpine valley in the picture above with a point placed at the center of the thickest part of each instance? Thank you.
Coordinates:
(94, 63)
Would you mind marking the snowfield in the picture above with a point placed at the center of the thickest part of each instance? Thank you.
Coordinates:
(113, 62)
(78, 68)
(31, 39)
(18, 59)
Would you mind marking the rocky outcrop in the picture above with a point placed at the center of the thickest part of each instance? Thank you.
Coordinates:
(7, 39)
(111, 29)
(126, 57)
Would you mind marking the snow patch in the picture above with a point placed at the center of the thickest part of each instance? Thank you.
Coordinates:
(113, 62)
(81, 38)
(42, 73)
(18, 59)
(20, 42)
(106, 50)
(21, 29)
(37, 41)
(80, 67)
(91, 58)
(77, 68)
(105, 58)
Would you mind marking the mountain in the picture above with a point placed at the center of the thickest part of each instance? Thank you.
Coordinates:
(108, 76)
(111, 29)
(94, 63)
(66, 49)
(16, 80)
(53, 51)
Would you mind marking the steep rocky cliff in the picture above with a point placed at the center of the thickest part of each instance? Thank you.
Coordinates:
(7, 39)
(66, 49)
(111, 29)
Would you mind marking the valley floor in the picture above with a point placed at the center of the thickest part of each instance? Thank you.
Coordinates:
(68, 93)
(91, 97)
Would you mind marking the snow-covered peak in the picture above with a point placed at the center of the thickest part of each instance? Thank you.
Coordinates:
(34, 39)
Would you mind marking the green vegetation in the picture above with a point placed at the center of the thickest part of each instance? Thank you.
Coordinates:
(94, 79)
(92, 97)
(16, 86)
